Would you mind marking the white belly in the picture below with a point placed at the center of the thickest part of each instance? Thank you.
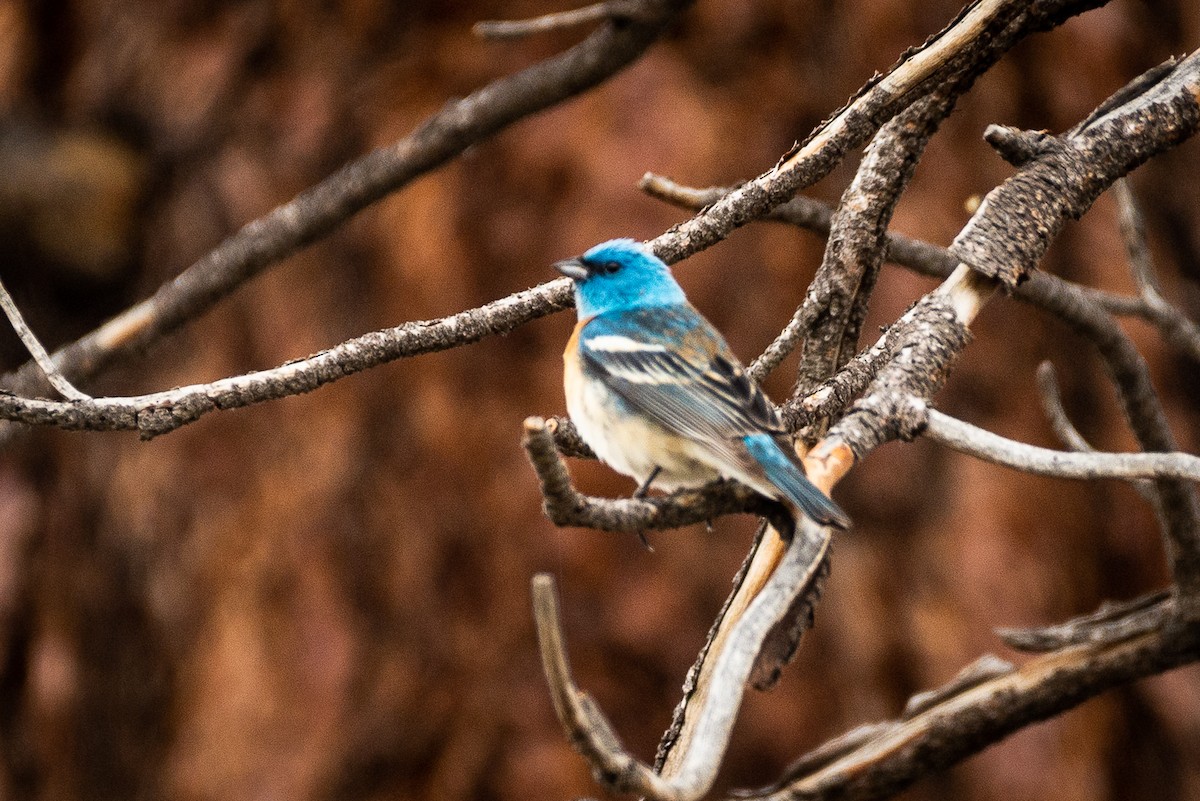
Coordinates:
(631, 444)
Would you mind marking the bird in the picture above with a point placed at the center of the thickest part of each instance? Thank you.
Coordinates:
(657, 394)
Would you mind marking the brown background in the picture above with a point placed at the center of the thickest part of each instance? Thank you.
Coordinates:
(327, 597)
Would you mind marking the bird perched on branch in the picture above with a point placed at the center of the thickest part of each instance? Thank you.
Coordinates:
(655, 391)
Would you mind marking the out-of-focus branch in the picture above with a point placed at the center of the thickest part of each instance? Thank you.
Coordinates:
(975, 441)
(1177, 329)
(616, 10)
(586, 726)
(1112, 622)
(892, 756)
(1066, 432)
(1056, 413)
(1175, 502)
(318, 210)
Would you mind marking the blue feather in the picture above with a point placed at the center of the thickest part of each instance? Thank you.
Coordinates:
(788, 477)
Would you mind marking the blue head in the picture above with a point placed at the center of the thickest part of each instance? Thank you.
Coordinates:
(619, 275)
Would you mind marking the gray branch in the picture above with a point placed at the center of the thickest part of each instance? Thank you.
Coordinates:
(975, 441)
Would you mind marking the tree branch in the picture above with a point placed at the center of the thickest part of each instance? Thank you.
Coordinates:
(895, 755)
(162, 412)
(566, 506)
(1176, 328)
(716, 702)
(1064, 174)
(836, 305)
(315, 212)
(40, 357)
(1112, 622)
(614, 10)
(975, 441)
(983, 32)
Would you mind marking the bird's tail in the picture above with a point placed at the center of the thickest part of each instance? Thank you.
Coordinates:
(786, 473)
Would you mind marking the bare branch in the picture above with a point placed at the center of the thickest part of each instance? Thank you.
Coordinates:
(1133, 232)
(714, 706)
(1052, 403)
(985, 668)
(616, 10)
(566, 506)
(968, 46)
(1067, 173)
(318, 210)
(852, 257)
(832, 398)
(162, 412)
(838, 298)
(835, 305)
(929, 338)
(1176, 501)
(975, 441)
(1112, 622)
(932, 335)
(960, 724)
(1177, 329)
(919, 256)
(587, 728)
(34, 346)
(1123, 136)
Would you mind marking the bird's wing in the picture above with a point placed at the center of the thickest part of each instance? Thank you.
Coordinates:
(670, 364)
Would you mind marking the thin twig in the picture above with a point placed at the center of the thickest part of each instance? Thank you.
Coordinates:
(162, 412)
(586, 726)
(1178, 330)
(34, 346)
(559, 20)
(1056, 413)
(1174, 501)
(1133, 232)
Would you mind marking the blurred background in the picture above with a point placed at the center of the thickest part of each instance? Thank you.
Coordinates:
(326, 597)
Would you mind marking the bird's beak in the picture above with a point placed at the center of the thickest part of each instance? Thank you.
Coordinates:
(572, 268)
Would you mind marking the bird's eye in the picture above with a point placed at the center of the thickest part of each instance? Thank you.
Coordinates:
(608, 267)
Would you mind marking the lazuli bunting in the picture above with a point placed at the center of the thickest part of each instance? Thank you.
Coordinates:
(656, 392)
